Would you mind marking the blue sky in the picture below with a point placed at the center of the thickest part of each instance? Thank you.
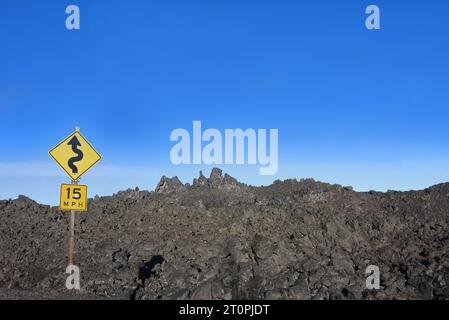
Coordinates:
(353, 106)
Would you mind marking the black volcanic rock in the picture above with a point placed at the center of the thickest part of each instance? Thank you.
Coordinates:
(202, 181)
(169, 185)
(217, 181)
(216, 177)
(220, 239)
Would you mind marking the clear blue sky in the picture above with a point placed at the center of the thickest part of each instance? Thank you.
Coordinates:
(353, 106)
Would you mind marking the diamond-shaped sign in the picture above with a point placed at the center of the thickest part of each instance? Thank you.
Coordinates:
(75, 155)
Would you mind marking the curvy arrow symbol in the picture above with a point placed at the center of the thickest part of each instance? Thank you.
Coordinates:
(74, 142)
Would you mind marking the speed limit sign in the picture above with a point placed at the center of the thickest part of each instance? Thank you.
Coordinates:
(73, 197)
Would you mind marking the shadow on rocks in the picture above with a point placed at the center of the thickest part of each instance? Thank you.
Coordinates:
(145, 272)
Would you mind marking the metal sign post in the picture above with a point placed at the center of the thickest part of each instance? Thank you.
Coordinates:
(71, 233)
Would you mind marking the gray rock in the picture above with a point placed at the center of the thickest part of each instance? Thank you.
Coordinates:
(221, 239)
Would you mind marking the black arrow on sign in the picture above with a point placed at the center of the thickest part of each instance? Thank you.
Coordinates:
(74, 142)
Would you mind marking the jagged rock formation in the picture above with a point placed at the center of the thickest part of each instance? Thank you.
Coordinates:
(217, 181)
(167, 185)
(220, 239)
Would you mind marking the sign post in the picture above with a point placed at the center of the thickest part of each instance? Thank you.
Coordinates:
(75, 156)
(71, 234)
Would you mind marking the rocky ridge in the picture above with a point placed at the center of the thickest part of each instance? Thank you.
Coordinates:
(221, 239)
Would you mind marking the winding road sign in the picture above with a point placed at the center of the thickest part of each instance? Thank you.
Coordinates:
(75, 155)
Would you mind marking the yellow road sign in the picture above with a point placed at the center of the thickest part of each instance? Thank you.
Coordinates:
(73, 197)
(75, 155)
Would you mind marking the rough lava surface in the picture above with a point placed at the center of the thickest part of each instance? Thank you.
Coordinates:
(221, 239)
